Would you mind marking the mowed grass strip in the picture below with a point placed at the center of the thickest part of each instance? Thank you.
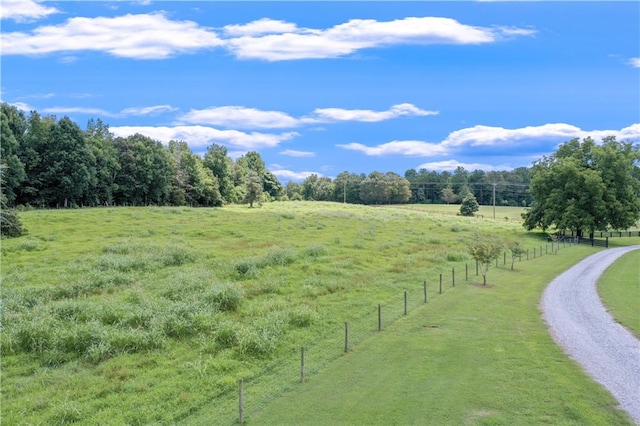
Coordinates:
(619, 289)
(480, 355)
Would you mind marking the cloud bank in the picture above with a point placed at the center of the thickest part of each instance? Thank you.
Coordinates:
(25, 10)
(156, 36)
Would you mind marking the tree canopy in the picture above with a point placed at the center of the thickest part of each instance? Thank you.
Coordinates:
(586, 187)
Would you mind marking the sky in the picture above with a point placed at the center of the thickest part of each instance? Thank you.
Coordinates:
(327, 87)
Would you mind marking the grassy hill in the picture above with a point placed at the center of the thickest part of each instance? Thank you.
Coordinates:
(151, 315)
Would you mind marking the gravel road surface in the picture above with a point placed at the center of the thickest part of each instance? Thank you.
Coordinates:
(581, 325)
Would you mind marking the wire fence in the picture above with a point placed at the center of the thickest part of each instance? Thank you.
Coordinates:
(298, 363)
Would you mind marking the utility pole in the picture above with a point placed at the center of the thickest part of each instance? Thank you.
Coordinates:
(344, 191)
(494, 199)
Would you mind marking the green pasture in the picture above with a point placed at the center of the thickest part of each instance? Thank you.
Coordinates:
(619, 289)
(151, 316)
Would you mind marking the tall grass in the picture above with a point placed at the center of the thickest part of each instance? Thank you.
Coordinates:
(149, 315)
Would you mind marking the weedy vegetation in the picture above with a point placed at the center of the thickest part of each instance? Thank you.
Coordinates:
(152, 315)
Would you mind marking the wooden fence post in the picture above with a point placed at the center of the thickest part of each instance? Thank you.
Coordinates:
(240, 403)
(440, 283)
(379, 317)
(346, 336)
(477, 273)
(466, 272)
(405, 302)
(302, 364)
(453, 277)
(425, 292)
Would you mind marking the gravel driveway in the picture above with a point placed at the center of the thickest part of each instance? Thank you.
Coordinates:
(581, 325)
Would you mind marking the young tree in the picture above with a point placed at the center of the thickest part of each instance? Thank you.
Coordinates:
(469, 205)
(254, 188)
(485, 250)
(10, 224)
(14, 126)
(448, 195)
(516, 251)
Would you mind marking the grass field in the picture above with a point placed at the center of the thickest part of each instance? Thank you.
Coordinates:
(151, 315)
(619, 289)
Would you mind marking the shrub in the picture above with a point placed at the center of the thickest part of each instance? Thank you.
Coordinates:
(228, 334)
(247, 268)
(224, 297)
(302, 316)
(279, 256)
(176, 256)
(10, 224)
(316, 250)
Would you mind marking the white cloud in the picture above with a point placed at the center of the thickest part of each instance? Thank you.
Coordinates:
(339, 114)
(407, 148)
(260, 27)
(199, 137)
(23, 106)
(356, 34)
(152, 110)
(299, 154)
(530, 141)
(634, 62)
(154, 36)
(452, 165)
(25, 10)
(294, 176)
(78, 110)
(555, 132)
(145, 36)
(239, 117)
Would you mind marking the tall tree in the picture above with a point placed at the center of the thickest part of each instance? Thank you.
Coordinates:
(147, 170)
(68, 166)
(584, 186)
(100, 141)
(221, 165)
(254, 188)
(14, 127)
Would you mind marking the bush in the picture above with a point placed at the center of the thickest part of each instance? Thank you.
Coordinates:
(279, 256)
(224, 297)
(469, 205)
(302, 316)
(247, 268)
(10, 225)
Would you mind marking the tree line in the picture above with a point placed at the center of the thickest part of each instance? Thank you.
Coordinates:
(50, 163)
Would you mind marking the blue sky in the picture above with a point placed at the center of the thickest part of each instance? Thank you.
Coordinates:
(327, 87)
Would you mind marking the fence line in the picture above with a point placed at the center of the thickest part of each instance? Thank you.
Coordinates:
(304, 360)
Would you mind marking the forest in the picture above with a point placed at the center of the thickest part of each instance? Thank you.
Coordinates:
(53, 163)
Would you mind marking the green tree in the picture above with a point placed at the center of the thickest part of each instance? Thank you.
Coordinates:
(254, 188)
(221, 165)
(100, 141)
(14, 127)
(10, 224)
(374, 189)
(67, 166)
(32, 148)
(469, 205)
(193, 183)
(399, 188)
(347, 187)
(584, 186)
(147, 170)
(516, 251)
(448, 195)
(485, 250)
